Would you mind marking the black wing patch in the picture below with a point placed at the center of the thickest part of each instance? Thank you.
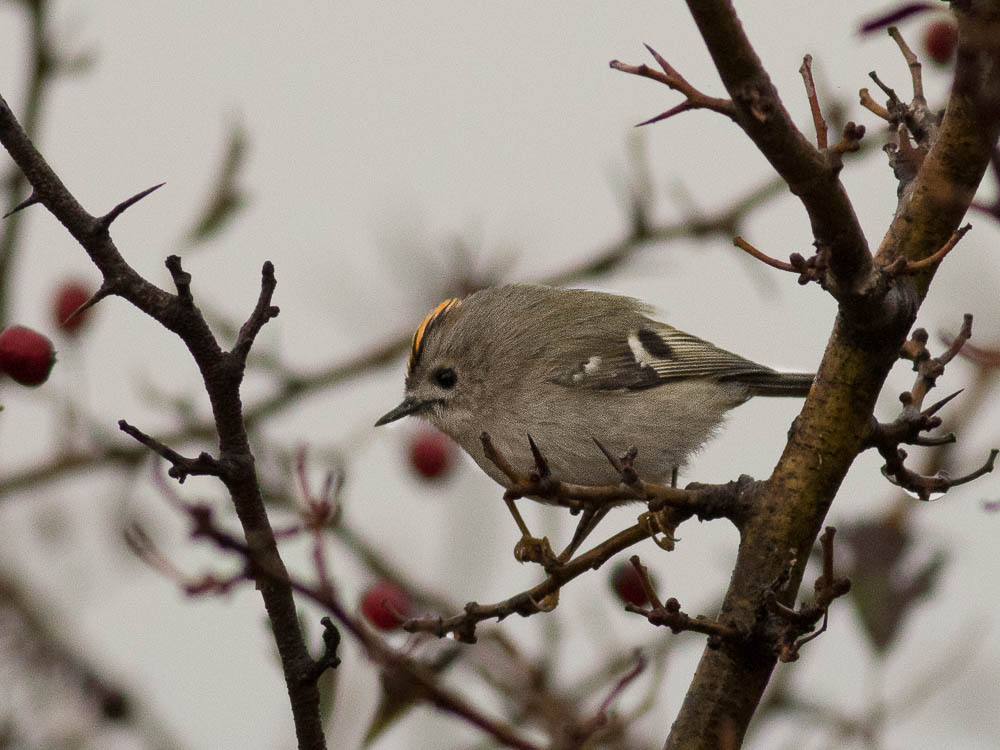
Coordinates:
(655, 344)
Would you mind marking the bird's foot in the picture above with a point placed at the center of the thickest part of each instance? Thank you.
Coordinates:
(532, 549)
(655, 522)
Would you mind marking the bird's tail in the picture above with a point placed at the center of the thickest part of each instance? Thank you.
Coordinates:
(779, 383)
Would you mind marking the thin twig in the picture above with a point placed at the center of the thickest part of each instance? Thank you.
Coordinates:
(671, 616)
(817, 114)
(746, 247)
(181, 467)
(263, 312)
(600, 718)
(913, 266)
(539, 484)
(526, 602)
(645, 581)
(885, 89)
(873, 106)
(912, 60)
(694, 99)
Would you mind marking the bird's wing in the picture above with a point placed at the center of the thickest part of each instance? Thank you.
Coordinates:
(652, 354)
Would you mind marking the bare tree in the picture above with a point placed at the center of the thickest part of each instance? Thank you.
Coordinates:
(939, 160)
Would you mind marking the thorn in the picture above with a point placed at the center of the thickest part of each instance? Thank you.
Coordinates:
(936, 406)
(31, 200)
(541, 463)
(104, 291)
(675, 110)
(103, 222)
(612, 459)
(659, 59)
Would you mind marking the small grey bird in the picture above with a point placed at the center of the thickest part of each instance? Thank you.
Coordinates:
(568, 366)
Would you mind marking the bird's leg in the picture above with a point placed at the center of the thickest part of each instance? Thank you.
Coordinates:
(528, 547)
(589, 518)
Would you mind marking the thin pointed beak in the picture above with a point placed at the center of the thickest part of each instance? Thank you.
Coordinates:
(409, 406)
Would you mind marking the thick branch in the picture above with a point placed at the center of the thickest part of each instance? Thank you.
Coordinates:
(830, 431)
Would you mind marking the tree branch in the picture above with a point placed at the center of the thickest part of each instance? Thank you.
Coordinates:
(222, 374)
(807, 171)
(825, 438)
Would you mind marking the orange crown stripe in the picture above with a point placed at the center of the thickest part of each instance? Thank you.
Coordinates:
(416, 346)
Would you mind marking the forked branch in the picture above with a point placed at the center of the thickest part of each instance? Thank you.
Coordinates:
(694, 99)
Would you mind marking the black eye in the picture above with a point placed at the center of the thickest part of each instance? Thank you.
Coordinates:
(446, 377)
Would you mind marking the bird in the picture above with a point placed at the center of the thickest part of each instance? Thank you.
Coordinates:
(569, 368)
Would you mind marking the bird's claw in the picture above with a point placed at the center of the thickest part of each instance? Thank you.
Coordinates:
(533, 549)
(654, 523)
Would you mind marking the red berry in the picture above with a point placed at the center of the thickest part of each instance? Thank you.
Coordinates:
(385, 605)
(940, 40)
(431, 454)
(626, 583)
(68, 298)
(26, 355)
